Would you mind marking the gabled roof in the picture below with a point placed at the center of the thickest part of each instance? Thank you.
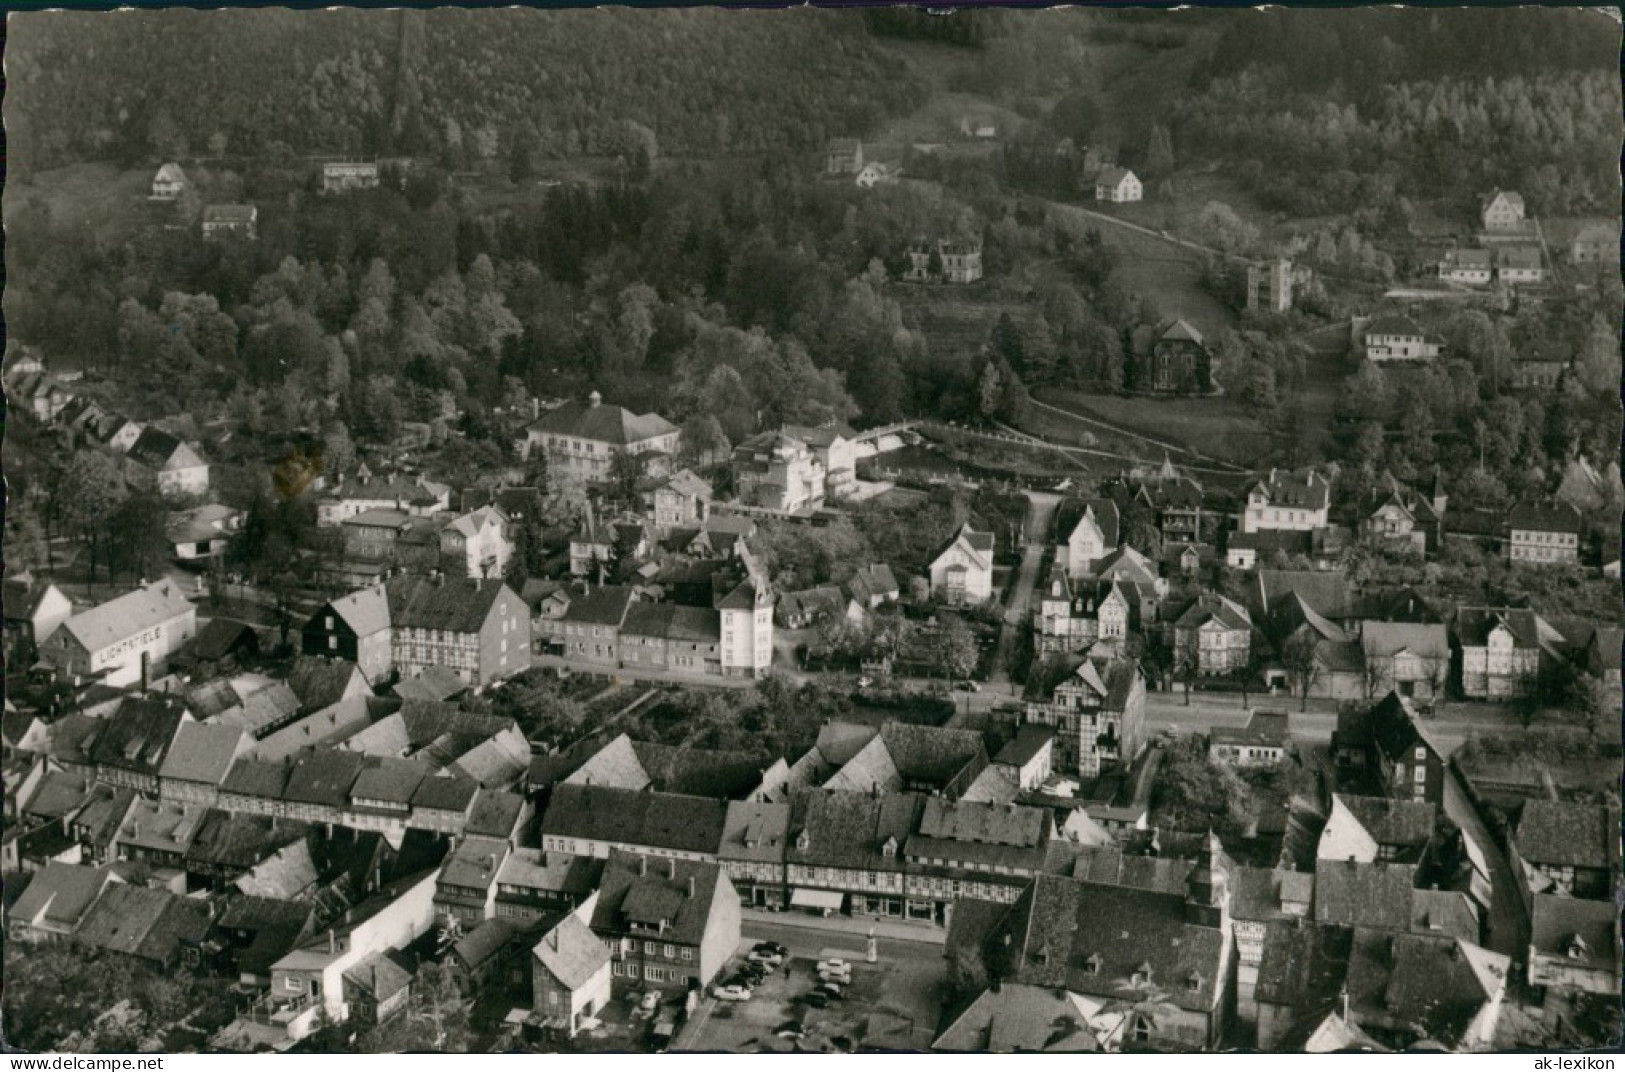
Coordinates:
(230, 214)
(1398, 823)
(1019, 1019)
(170, 172)
(1386, 639)
(646, 819)
(1552, 515)
(1295, 488)
(1394, 324)
(571, 953)
(1569, 835)
(323, 778)
(1212, 607)
(157, 449)
(378, 976)
(1580, 931)
(452, 604)
(141, 922)
(495, 813)
(601, 606)
(202, 753)
(1512, 198)
(365, 611)
(432, 683)
(284, 875)
(220, 637)
(593, 420)
(1349, 893)
(474, 862)
(62, 892)
(979, 546)
(638, 890)
(1112, 175)
(1439, 985)
(1071, 513)
(138, 735)
(129, 614)
(320, 682)
(236, 842)
(1474, 625)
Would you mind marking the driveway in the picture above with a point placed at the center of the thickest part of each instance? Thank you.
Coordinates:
(1041, 507)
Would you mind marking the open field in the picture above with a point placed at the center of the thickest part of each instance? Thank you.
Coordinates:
(1218, 427)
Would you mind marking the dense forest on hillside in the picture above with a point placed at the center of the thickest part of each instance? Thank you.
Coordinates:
(460, 85)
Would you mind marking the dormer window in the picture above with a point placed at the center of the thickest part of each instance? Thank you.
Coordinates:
(1193, 981)
(1578, 948)
(1142, 974)
(803, 842)
(889, 849)
(1094, 964)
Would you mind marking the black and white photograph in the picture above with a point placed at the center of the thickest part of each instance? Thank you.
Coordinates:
(625, 530)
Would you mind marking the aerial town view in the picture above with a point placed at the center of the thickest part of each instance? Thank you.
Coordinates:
(812, 531)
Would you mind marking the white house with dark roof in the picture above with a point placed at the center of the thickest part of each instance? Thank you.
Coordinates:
(1394, 338)
(582, 437)
(570, 976)
(1502, 210)
(477, 544)
(126, 637)
(1287, 500)
(174, 466)
(1543, 533)
(962, 571)
(221, 220)
(168, 184)
(1118, 185)
(354, 628)
(1469, 267)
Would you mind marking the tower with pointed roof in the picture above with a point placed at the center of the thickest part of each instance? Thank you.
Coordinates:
(1207, 889)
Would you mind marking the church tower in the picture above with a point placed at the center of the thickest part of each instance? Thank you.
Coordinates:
(1207, 890)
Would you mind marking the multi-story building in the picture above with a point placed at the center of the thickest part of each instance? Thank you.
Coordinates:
(1086, 530)
(125, 640)
(364, 491)
(1213, 636)
(846, 852)
(222, 220)
(1544, 532)
(1502, 210)
(1269, 286)
(967, 849)
(1500, 652)
(747, 628)
(581, 438)
(466, 890)
(1098, 715)
(835, 447)
(1516, 265)
(1470, 267)
(172, 466)
(1171, 358)
(956, 262)
(1287, 501)
(755, 839)
(393, 536)
(1389, 339)
(534, 883)
(1118, 185)
(33, 611)
(669, 924)
(962, 572)
(341, 176)
(843, 157)
(354, 628)
(570, 976)
(477, 544)
(775, 471)
(1073, 615)
(479, 630)
(683, 501)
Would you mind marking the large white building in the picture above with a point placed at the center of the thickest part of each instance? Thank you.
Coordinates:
(139, 629)
(581, 438)
(962, 572)
(476, 544)
(1287, 501)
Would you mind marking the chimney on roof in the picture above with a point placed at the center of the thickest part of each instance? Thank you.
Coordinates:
(643, 865)
(595, 399)
(671, 869)
(332, 942)
(691, 886)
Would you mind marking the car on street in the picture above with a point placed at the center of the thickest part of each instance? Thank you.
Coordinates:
(731, 993)
(967, 686)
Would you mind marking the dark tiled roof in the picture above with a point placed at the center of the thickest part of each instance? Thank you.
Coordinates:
(1552, 515)
(1474, 625)
(1070, 513)
(1556, 922)
(1569, 835)
(495, 813)
(389, 780)
(147, 923)
(930, 753)
(1030, 739)
(640, 890)
(699, 772)
(138, 736)
(646, 819)
(841, 829)
(1439, 985)
(445, 792)
(324, 778)
(1348, 893)
(592, 419)
(1303, 964)
(1398, 823)
(220, 637)
(454, 604)
(260, 778)
(1264, 728)
(601, 606)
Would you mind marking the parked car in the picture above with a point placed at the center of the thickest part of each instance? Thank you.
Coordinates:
(651, 1001)
(832, 991)
(841, 978)
(835, 964)
(731, 993)
(765, 958)
(772, 947)
(968, 686)
(814, 1000)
